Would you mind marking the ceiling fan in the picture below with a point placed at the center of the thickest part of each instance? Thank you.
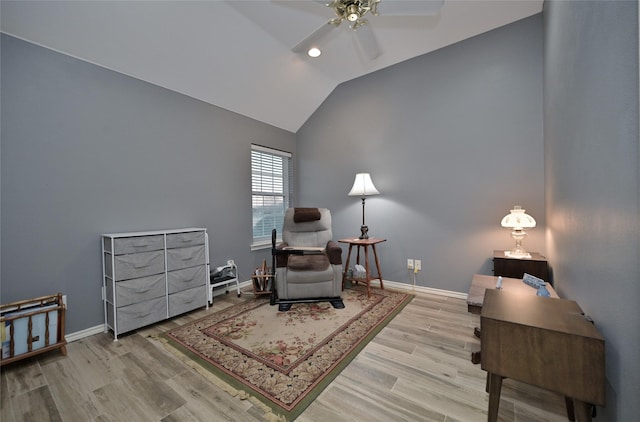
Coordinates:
(353, 12)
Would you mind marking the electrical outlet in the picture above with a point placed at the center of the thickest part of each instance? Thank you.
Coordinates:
(410, 264)
(64, 300)
(418, 264)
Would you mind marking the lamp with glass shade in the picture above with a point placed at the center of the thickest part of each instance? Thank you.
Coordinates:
(517, 220)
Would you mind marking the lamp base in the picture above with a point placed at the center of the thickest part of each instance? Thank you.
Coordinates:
(364, 232)
(518, 252)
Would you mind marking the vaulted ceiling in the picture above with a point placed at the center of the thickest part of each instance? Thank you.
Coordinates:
(237, 54)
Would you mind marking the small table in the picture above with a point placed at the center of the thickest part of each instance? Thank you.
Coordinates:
(364, 243)
(544, 342)
(508, 266)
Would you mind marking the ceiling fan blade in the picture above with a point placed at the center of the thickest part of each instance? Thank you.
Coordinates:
(314, 38)
(409, 7)
(367, 41)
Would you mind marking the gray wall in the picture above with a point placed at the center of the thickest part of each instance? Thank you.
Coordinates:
(87, 151)
(452, 139)
(593, 178)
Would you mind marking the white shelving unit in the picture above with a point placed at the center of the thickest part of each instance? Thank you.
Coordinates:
(153, 275)
(229, 276)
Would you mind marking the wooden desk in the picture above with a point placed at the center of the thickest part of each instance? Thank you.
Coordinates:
(364, 243)
(543, 342)
(480, 283)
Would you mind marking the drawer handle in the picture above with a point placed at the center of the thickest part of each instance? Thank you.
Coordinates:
(143, 290)
(187, 280)
(141, 246)
(187, 259)
(141, 266)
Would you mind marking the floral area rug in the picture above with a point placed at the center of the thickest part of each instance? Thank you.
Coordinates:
(286, 359)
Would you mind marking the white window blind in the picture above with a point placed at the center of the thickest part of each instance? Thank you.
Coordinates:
(271, 187)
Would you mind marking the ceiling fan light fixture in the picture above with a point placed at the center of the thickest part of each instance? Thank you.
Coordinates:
(314, 52)
(353, 12)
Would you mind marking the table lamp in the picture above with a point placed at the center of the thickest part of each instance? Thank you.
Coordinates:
(517, 220)
(363, 187)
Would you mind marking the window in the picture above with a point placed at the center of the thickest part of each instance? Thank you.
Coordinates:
(271, 187)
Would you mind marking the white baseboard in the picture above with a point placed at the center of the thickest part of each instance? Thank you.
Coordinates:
(393, 284)
(84, 333)
(402, 286)
(421, 289)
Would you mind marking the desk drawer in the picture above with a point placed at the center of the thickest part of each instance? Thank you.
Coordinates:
(139, 314)
(134, 244)
(186, 278)
(136, 289)
(183, 240)
(180, 258)
(135, 265)
(187, 300)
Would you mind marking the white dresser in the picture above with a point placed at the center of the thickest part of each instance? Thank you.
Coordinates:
(151, 276)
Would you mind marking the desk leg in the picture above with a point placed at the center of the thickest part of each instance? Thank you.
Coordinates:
(367, 271)
(346, 266)
(582, 411)
(375, 255)
(568, 401)
(358, 259)
(494, 387)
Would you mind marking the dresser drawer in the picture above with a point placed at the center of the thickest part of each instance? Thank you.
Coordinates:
(135, 265)
(139, 314)
(183, 240)
(186, 278)
(179, 258)
(136, 289)
(134, 244)
(187, 300)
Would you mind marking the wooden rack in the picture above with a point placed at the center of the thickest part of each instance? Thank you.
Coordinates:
(262, 280)
(30, 327)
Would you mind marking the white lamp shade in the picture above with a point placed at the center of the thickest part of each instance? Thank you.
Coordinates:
(518, 219)
(363, 186)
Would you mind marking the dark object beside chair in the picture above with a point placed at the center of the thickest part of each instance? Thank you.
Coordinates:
(308, 262)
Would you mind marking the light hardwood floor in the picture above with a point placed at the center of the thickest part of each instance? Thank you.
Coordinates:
(417, 369)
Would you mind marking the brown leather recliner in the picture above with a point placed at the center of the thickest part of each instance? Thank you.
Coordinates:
(308, 262)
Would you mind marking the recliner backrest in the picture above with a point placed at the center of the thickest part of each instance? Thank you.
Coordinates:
(311, 233)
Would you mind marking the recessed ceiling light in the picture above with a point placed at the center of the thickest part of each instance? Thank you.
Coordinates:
(314, 52)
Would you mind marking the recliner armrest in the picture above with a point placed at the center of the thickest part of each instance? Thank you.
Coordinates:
(335, 252)
(281, 255)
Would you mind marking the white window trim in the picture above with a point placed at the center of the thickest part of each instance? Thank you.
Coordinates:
(273, 151)
(266, 244)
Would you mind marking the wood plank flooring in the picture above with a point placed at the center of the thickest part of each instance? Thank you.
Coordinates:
(418, 368)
